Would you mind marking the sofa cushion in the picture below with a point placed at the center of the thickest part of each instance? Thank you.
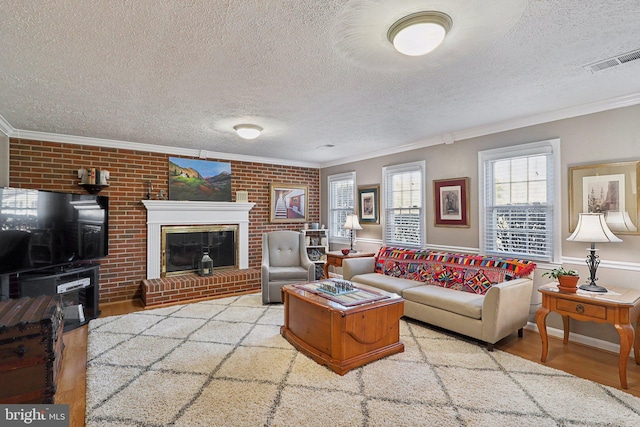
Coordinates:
(384, 282)
(288, 273)
(463, 303)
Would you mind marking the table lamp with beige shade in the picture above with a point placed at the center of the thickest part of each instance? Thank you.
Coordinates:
(593, 228)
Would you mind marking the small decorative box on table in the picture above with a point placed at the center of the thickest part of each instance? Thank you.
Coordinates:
(30, 349)
(341, 325)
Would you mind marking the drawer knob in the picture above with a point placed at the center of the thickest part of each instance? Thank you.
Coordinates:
(580, 308)
(21, 350)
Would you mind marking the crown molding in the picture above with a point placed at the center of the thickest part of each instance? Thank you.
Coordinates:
(153, 148)
(5, 127)
(449, 138)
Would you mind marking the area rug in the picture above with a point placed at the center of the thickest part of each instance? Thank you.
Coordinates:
(224, 363)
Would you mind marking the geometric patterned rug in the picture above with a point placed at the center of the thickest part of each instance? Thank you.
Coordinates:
(224, 363)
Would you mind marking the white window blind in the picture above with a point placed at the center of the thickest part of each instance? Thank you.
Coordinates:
(341, 202)
(519, 202)
(404, 202)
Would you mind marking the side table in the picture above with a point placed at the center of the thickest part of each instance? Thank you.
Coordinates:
(619, 307)
(335, 258)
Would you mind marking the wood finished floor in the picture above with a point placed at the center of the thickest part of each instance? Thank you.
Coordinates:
(582, 361)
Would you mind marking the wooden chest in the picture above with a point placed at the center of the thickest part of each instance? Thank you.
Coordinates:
(30, 349)
(342, 337)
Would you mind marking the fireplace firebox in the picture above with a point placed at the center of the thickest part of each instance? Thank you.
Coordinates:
(184, 246)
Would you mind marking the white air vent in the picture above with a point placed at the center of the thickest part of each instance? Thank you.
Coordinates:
(613, 62)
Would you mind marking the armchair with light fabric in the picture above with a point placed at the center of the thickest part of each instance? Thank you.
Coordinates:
(284, 261)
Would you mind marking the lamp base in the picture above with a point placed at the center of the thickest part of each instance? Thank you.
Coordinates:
(593, 288)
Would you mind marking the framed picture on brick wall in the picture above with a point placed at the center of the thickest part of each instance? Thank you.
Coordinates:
(288, 203)
(203, 180)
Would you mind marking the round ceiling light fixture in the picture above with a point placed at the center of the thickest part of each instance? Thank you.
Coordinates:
(419, 33)
(247, 131)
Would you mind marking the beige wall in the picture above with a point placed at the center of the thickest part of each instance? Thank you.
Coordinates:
(595, 138)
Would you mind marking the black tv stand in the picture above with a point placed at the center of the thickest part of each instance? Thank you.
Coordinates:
(76, 284)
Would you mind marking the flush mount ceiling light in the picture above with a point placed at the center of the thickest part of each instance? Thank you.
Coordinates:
(248, 131)
(419, 33)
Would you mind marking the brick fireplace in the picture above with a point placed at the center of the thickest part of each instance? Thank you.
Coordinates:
(159, 290)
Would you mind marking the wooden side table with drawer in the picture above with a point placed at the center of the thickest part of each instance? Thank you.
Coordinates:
(619, 307)
(335, 258)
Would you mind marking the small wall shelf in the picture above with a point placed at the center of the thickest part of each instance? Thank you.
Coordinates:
(93, 180)
(93, 188)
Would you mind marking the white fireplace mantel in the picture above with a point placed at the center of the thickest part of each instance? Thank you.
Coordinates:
(173, 212)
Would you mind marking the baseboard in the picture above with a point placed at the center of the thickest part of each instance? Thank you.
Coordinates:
(579, 339)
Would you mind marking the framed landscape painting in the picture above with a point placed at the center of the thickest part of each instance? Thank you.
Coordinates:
(288, 203)
(369, 204)
(451, 202)
(203, 180)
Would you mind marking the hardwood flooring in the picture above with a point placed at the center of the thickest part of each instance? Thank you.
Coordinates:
(582, 361)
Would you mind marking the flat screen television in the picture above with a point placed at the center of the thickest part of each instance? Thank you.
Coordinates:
(40, 229)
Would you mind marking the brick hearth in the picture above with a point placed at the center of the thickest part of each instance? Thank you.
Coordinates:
(190, 287)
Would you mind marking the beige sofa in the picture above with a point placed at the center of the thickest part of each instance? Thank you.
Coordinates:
(503, 310)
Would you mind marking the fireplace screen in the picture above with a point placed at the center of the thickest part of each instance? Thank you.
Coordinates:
(183, 247)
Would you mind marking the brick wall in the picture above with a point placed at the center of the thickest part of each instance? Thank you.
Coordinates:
(53, 166)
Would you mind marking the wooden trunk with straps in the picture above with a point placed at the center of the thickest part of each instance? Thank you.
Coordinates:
(30, 349)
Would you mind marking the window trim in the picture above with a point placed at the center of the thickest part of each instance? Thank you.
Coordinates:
(421, 166)
(540, 147)
(338, 177)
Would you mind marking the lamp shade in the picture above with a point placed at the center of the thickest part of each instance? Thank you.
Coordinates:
(619, 221)
(592, 228)
(352, 223)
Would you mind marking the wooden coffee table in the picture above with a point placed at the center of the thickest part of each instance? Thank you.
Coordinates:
(342, 337)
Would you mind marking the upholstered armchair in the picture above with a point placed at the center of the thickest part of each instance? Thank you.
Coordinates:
(284, 261)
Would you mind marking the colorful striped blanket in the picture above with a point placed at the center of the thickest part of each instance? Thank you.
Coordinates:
(464, 272)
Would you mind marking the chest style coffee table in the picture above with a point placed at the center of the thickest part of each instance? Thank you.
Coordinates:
(619, 307)
(342, 337)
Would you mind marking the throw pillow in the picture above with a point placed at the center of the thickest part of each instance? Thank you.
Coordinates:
(451, 277)
(478, 283)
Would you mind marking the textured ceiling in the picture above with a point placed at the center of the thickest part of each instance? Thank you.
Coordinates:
(311, 72)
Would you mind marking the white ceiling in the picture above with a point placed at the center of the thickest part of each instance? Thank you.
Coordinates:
(311, 72)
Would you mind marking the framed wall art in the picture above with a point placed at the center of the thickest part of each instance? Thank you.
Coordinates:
(608, 188)
(369, 204)
(451, 202)
(202, 180)
(288, 203)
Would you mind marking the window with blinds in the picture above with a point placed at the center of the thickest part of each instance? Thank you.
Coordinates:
(341, 202)
(519, 218)
(403, 191)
